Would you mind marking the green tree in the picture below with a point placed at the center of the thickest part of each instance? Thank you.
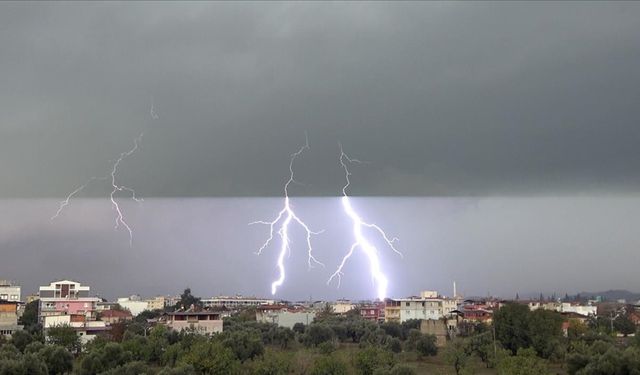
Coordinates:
(525, 362)
(65, 336)
(20, 339)
(372, 358)
(272, 363)
(187, 300)
(512, 326)
(457, 354)
(624, 325)
(316, 334)
(211, 357)
(426, 345)
(57, 358)
(29, 318)
(329, 365)
(244, 344)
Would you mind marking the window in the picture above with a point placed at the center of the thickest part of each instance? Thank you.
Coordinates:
(407, 303)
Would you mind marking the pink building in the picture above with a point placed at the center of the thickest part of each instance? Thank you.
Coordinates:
(67, 302)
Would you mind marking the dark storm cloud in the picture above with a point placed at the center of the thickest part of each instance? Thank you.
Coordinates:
(441, 98)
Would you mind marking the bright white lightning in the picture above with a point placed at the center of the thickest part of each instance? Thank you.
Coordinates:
(115, 189)
(361, 241)
(285, 217)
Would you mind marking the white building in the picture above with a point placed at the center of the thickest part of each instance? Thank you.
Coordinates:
(134, 304)
(235, 302)
(9, 291)
(428, 306)
(342, 306)
(204, 322)
(87, 329)
(283, 316)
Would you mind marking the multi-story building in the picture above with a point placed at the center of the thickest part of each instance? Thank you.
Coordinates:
(67, 297)
(428, 306)
(373, 312)
(283, 315)
(204, 322)
(9, 291)
(9, 318)
(235, 302)
(342, 306)
(134, 304)
(156, 303)
(67, 302)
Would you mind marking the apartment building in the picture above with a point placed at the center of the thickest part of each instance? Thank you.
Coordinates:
(429, 305)
(9, 291)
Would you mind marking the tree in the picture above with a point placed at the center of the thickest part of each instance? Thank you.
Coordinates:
(244, 344)
(524, 363)
(624, 325)
(316, 334)
(457, 354)
(211, 357)
(272, 363)
(512, 326)
(395, 345)
(187, 300)
(65, 336)
(372, 358)
(57, 358)
(329, 365)
(20, 339)
(426, 345)
(29, 318)
(299, 328)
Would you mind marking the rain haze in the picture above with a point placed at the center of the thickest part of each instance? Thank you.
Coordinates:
(500, 140)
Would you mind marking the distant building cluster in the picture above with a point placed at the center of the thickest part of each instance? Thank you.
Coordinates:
(70, 303)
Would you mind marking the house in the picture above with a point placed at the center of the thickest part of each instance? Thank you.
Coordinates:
(429, 305)
(9, 318)
(438, 328)
(134, 304)
(9, 291)
(203, 321)
(156, 303)
(67, 302)
(342, 306)
(115, 316)
(283, 315)
(373, 312)
(86, 329)
(234, 303)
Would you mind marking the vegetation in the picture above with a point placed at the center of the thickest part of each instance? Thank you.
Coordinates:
(519, 342)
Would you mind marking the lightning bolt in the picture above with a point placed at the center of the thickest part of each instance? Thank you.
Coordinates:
(361, 241)
(119, 221)
(152, 110)
(282, 221)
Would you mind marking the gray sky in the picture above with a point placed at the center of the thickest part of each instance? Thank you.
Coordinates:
(442, 98)
(496, 245)
(464, 112)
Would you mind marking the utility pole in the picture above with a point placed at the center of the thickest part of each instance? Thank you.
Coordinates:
(495, 348)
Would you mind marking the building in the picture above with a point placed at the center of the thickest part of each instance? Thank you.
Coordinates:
(67, 302)
(156, 303)
(66, 297)
(284, 316)
(342, 306)
(428, 306)
(9, 318)
(115, 316)
(204, 322)
(234, 303)
(134, 304)
(438, 328)
(9, 291)
(86, 329)
(373, 312)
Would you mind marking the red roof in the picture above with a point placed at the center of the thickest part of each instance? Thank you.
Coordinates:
(116, 314)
